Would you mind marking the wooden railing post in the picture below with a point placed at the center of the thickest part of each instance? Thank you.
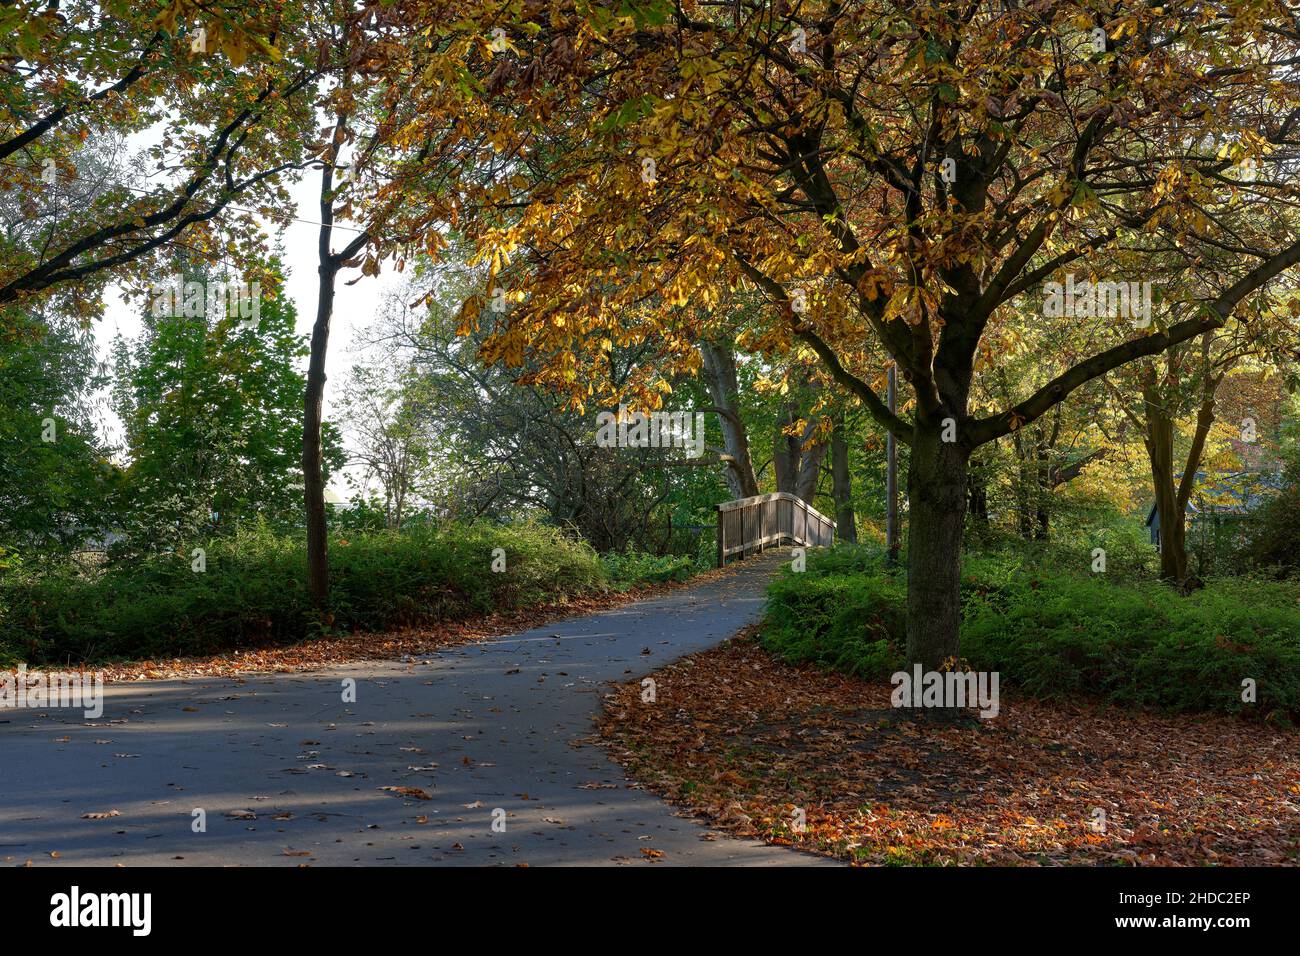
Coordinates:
(744, 542)
(721, 537)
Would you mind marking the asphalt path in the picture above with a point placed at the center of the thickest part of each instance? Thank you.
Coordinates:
(280, 769)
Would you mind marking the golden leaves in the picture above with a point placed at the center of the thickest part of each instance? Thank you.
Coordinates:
(467, 317)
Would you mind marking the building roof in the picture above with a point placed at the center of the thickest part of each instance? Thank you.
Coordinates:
(1236, 492)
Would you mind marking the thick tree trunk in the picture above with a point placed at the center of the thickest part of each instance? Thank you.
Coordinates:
(936, 483)
(797, 469)
(846, 528)
(810, 469)
(785, 453)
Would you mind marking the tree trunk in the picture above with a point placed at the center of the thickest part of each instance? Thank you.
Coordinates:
(810, 469)
(846, 528)
(785, 452)
(797, 469)
(1204, 421)
(1044, 451)
(313, 478)
(1172, 493)
(1024, 510)
(1173, 519)
(936, 482)
(893, 533)
(724, 389)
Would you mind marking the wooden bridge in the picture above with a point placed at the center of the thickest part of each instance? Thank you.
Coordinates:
(749, 525)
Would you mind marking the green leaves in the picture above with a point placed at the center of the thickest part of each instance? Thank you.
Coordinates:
(628, 112)
(646, 13)
(212, 411)
(49, 489)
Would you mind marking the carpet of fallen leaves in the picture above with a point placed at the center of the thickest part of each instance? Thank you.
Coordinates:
(822, 762)
(322, 652)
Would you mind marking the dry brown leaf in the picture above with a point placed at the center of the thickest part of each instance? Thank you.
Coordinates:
(413, 792)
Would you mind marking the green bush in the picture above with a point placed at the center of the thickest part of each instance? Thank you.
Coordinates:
(253, 591)
(637, 567)
(1273, 533)
(9, 565)
(1129, 552)
(1055, 634)
(847, 622)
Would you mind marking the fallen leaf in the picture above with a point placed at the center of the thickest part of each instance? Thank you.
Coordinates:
(414, 792)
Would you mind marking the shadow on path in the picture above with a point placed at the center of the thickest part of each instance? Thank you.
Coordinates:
(286, 773)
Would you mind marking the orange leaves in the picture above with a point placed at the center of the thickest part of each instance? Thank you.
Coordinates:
(874, 283)
(801, 757)
(415, 793)
(815, 176)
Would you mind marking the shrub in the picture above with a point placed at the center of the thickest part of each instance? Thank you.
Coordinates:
(1059, 634)
(9, 566)
(847, 622)
(637, 567)
(253, 591)
(1274, 530)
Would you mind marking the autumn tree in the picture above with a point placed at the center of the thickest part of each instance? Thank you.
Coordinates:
(1183, 383)
(904, 172)
(721, 376)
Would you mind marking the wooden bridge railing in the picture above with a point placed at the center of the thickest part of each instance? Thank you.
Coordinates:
(769, 521)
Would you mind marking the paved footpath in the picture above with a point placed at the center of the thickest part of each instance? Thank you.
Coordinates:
(287, 773)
